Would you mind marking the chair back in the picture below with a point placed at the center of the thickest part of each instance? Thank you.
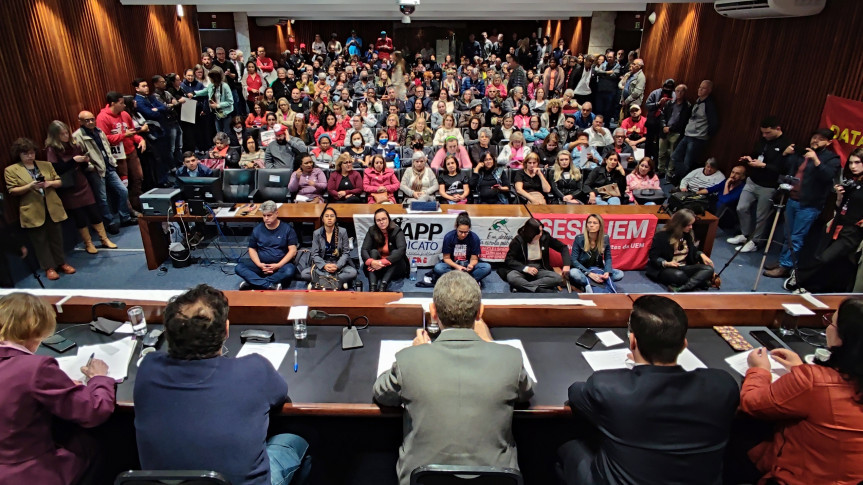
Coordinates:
(237, 184)
(172, 477)
(465, 475)
(272, 184)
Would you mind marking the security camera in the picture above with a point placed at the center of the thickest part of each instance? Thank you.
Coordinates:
(407, 9)
(406, 19)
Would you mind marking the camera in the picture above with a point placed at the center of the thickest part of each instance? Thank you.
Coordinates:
(850, 184)
(407, 9)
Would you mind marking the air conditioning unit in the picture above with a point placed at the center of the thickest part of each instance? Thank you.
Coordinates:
(765, 9)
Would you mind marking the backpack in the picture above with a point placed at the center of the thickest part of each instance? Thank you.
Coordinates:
(698, 204)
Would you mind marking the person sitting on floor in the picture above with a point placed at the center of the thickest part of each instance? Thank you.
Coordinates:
(591, 256)
(331, 252)
(272, 247)
(191, 395)
(461, 251)
(526, 266)
(675, 260)
(384, 252)
(658, 422)
(702, 178)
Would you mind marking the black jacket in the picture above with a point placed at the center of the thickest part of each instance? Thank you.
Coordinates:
(600, 176)
(516, 256)
(661, 250)
(396, 243)
(576, 188)
(771, 150)
(682, 120)
(817, 181)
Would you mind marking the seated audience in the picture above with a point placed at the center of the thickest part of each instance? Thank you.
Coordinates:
(191, 395)
(460, 370)
(599, 135)
(419, 182)
(253, 155)
(567, 182)
(258, 117)
(451, 148)
(477, 151)
(591, 255)
(237, 132)
(636, 132)
(505, 130)
(548, 150)
(521, 120)
(530, 183)
(300, 130)
(221, 155)
(384, 252)
(623, 149)
(607, 183)
(490, 181)
(584, 116)
(553, 115)
(357, 126)
(324, 155)
(534, 132)
(585, 156)
(515, 153)
(473, 125)
(192, 167)
(461, 251)
(526, 266)
(395, 133)
(702, 178)
(675, 260)
(539, 101)
(643, 177)
(40, 399)
(272, 247)
(420, 128)
(380, 182)
(345, 184)
(727, 193)
(308, 183)
(817, 408)
(284, 151)
(360, 153)
(657, 422)
(331, 252)
(446, 130)
(454, 184)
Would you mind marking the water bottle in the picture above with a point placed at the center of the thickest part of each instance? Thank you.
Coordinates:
(301, 330)
(138, 321)
(396, 161)
(413, 269)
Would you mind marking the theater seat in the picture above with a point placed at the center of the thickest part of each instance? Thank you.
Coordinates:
(173, 477)
(465, 475)
(237, 184)
(272, 184)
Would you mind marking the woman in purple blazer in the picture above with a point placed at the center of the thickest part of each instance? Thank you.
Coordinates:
(35, 390)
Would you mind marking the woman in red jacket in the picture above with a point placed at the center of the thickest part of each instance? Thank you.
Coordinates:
(345, 184)
(818, 436)
(36, 392)
(380, 182)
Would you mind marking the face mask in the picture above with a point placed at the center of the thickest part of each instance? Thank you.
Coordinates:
(357, 143)
(383, 141)
(337, 97)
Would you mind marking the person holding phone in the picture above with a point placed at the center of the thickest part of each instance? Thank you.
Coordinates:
(526, 266)
(675, 260)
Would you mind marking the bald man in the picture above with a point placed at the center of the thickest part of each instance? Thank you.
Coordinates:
(633, 86)
(103, 177)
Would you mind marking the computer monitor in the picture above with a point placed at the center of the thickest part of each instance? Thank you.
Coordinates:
(207, 189)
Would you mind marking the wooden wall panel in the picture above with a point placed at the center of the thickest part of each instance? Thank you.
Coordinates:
(61, 57)
(785, 67)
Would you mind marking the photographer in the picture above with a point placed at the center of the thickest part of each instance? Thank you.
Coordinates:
(833, 268)
(814, 171)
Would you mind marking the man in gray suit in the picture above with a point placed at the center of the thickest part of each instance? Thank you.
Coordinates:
(459, 391)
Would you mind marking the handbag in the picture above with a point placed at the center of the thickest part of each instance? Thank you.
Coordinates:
(323, 280)
(380, 197)
(610, 190)
(698, 204)
(648, 195)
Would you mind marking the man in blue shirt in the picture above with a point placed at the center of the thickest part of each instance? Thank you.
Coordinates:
(354, 44)
(272, 247)
(152, 109)
(728, 192)
(192, 167)
(461, 250)
(197, 410)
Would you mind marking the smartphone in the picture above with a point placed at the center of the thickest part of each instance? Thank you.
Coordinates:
(588, 339)
(764, 338)
(58, 343)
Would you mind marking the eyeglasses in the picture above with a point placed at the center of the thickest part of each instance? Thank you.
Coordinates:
(88, 120)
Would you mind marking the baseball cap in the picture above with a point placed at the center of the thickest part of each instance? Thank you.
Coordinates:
(668, 84)
(634, 107)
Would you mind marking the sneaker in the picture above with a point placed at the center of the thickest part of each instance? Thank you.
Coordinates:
(790, 283)
(740, 239)
(245, 286)
(749, 247)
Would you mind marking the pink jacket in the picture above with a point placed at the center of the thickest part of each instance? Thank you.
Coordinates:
(463, 158)
(634, 182)
(521, 121)
(372, 180)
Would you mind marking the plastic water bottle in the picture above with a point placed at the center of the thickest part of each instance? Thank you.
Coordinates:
(413, 269)
(396, 161)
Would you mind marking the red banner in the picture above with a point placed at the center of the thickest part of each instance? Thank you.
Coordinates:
(630, 235)
(845, 118)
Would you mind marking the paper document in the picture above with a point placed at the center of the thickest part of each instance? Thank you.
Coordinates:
(796, 309)
(125, 328)
(116, 354)
(389, 349)
(616, 359)
(188, 110)
(739, 364)
(814, 301)
(609, 338)
(274, 352)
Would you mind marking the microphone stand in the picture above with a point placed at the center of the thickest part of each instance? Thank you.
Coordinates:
(350, 334)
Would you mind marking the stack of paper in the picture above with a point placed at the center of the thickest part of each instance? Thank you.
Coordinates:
(617, 359)
(738, 362)
(274, 352)
(116, 354)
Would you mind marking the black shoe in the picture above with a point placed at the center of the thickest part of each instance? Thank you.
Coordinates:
(373, 287)
(245, 286)
(112, 229)
(383, 285)
(132, 221)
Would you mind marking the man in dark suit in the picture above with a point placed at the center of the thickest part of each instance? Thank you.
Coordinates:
(658, 423)
(462, 370)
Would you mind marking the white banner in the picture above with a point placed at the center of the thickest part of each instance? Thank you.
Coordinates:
(424, 234)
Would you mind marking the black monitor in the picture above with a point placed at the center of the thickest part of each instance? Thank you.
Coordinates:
(207, 189)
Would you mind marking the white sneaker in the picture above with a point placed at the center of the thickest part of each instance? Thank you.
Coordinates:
(736, 239)
(749, 247)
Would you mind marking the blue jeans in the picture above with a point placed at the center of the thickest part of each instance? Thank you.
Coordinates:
(579, 279)
(610, 201)
(685, 155)
(287, 453)
(798, 221)
(118, 195)
(175, 144)
(480, 271)
(223, 125)
(604, 105)
(97, 185)
(255, 276)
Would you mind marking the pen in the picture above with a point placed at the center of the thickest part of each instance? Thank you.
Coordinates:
(296, 365)
(90, 360)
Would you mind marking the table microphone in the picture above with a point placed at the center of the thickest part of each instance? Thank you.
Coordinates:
(350, 336)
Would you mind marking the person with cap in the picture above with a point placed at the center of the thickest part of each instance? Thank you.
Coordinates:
(384, 46)
(354, 44)
(324, 155)
(656, 101)
(815, 168)
(282, 153)
(635, 127)
(703, 123)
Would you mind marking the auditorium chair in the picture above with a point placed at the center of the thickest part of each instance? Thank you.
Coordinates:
(271, 184)
(465, 475)
(238, 184)
(173, 477)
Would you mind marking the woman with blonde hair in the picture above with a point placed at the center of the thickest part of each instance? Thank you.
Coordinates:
(567, 181)
(37, 393)
(345, 184)
(446, 130)
(285, 114)
(515, 153)
(591, 255)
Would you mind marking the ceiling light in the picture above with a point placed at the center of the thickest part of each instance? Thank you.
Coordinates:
(180, 12)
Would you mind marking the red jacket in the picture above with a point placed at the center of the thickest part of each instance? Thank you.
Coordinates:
(373, 180)
(35, 391)
(819, 433)
(115, 127)
(336, 179)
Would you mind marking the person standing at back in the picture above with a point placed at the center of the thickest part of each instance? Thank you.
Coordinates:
(462, 370)
(659, 423)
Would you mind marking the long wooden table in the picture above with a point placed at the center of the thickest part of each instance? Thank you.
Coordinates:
(155, 241)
